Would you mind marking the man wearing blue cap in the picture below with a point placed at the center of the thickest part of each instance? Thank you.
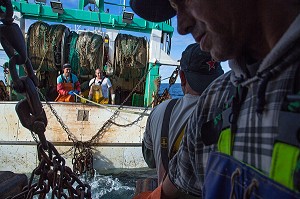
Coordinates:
(162, 136)
(243, 139)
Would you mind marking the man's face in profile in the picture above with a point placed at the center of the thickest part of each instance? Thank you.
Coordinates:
(217, 26)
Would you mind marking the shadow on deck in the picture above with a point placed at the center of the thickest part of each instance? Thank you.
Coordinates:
(11, 184)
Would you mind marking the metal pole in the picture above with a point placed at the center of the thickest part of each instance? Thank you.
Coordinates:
(124, 5)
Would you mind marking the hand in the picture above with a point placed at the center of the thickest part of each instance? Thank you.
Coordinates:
(73, 92)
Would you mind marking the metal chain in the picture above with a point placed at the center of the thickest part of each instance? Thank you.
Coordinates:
(71, 136)
(52, 171)
(166, 94)
(29, 110)
(83, 159)
(174, 76)
(34, 137)
(110, 121)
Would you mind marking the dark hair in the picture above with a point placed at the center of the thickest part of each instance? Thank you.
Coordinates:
(66, 65)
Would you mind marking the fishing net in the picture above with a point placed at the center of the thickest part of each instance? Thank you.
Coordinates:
(90, 49)
(73, 53)
(37, 44)
(45, 45)
(130, 52)
(130, 62)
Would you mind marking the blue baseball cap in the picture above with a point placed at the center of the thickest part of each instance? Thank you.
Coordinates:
(153, 10)
(199, 67)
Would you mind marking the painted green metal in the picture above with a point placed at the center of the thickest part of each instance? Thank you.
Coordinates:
(150, 87)
(15, 96)
(87, 18)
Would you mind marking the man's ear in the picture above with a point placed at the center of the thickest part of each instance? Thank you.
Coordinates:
(182, 78)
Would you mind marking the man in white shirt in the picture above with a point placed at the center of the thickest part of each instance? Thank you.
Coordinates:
(100, 88)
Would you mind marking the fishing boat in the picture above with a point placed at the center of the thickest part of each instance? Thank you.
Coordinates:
(110, 135)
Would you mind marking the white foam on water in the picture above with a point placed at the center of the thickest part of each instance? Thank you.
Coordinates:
(103, 186)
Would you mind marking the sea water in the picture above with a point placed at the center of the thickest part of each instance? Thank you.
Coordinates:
(175, 90)
(119, 184)
(115, 184)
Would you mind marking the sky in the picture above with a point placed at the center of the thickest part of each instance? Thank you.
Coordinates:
(179, 42)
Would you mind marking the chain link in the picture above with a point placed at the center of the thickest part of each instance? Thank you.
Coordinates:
(83, 159)
(34, 137)
(166, 94)
(52, 172)
(54, 175)
(173, 77)
(71, 136)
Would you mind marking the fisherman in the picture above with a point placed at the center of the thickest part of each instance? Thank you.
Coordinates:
(167, 120)
(4, 96)
(258, 156)
(67, 85)
(100, 88)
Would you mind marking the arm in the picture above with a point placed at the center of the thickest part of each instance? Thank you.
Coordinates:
(147, 147)
(111, 91)
(166, 189)
(112, 95)
(169, 190)
(91, 83)
(148, 155)
(160, 192)
(186, 168)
